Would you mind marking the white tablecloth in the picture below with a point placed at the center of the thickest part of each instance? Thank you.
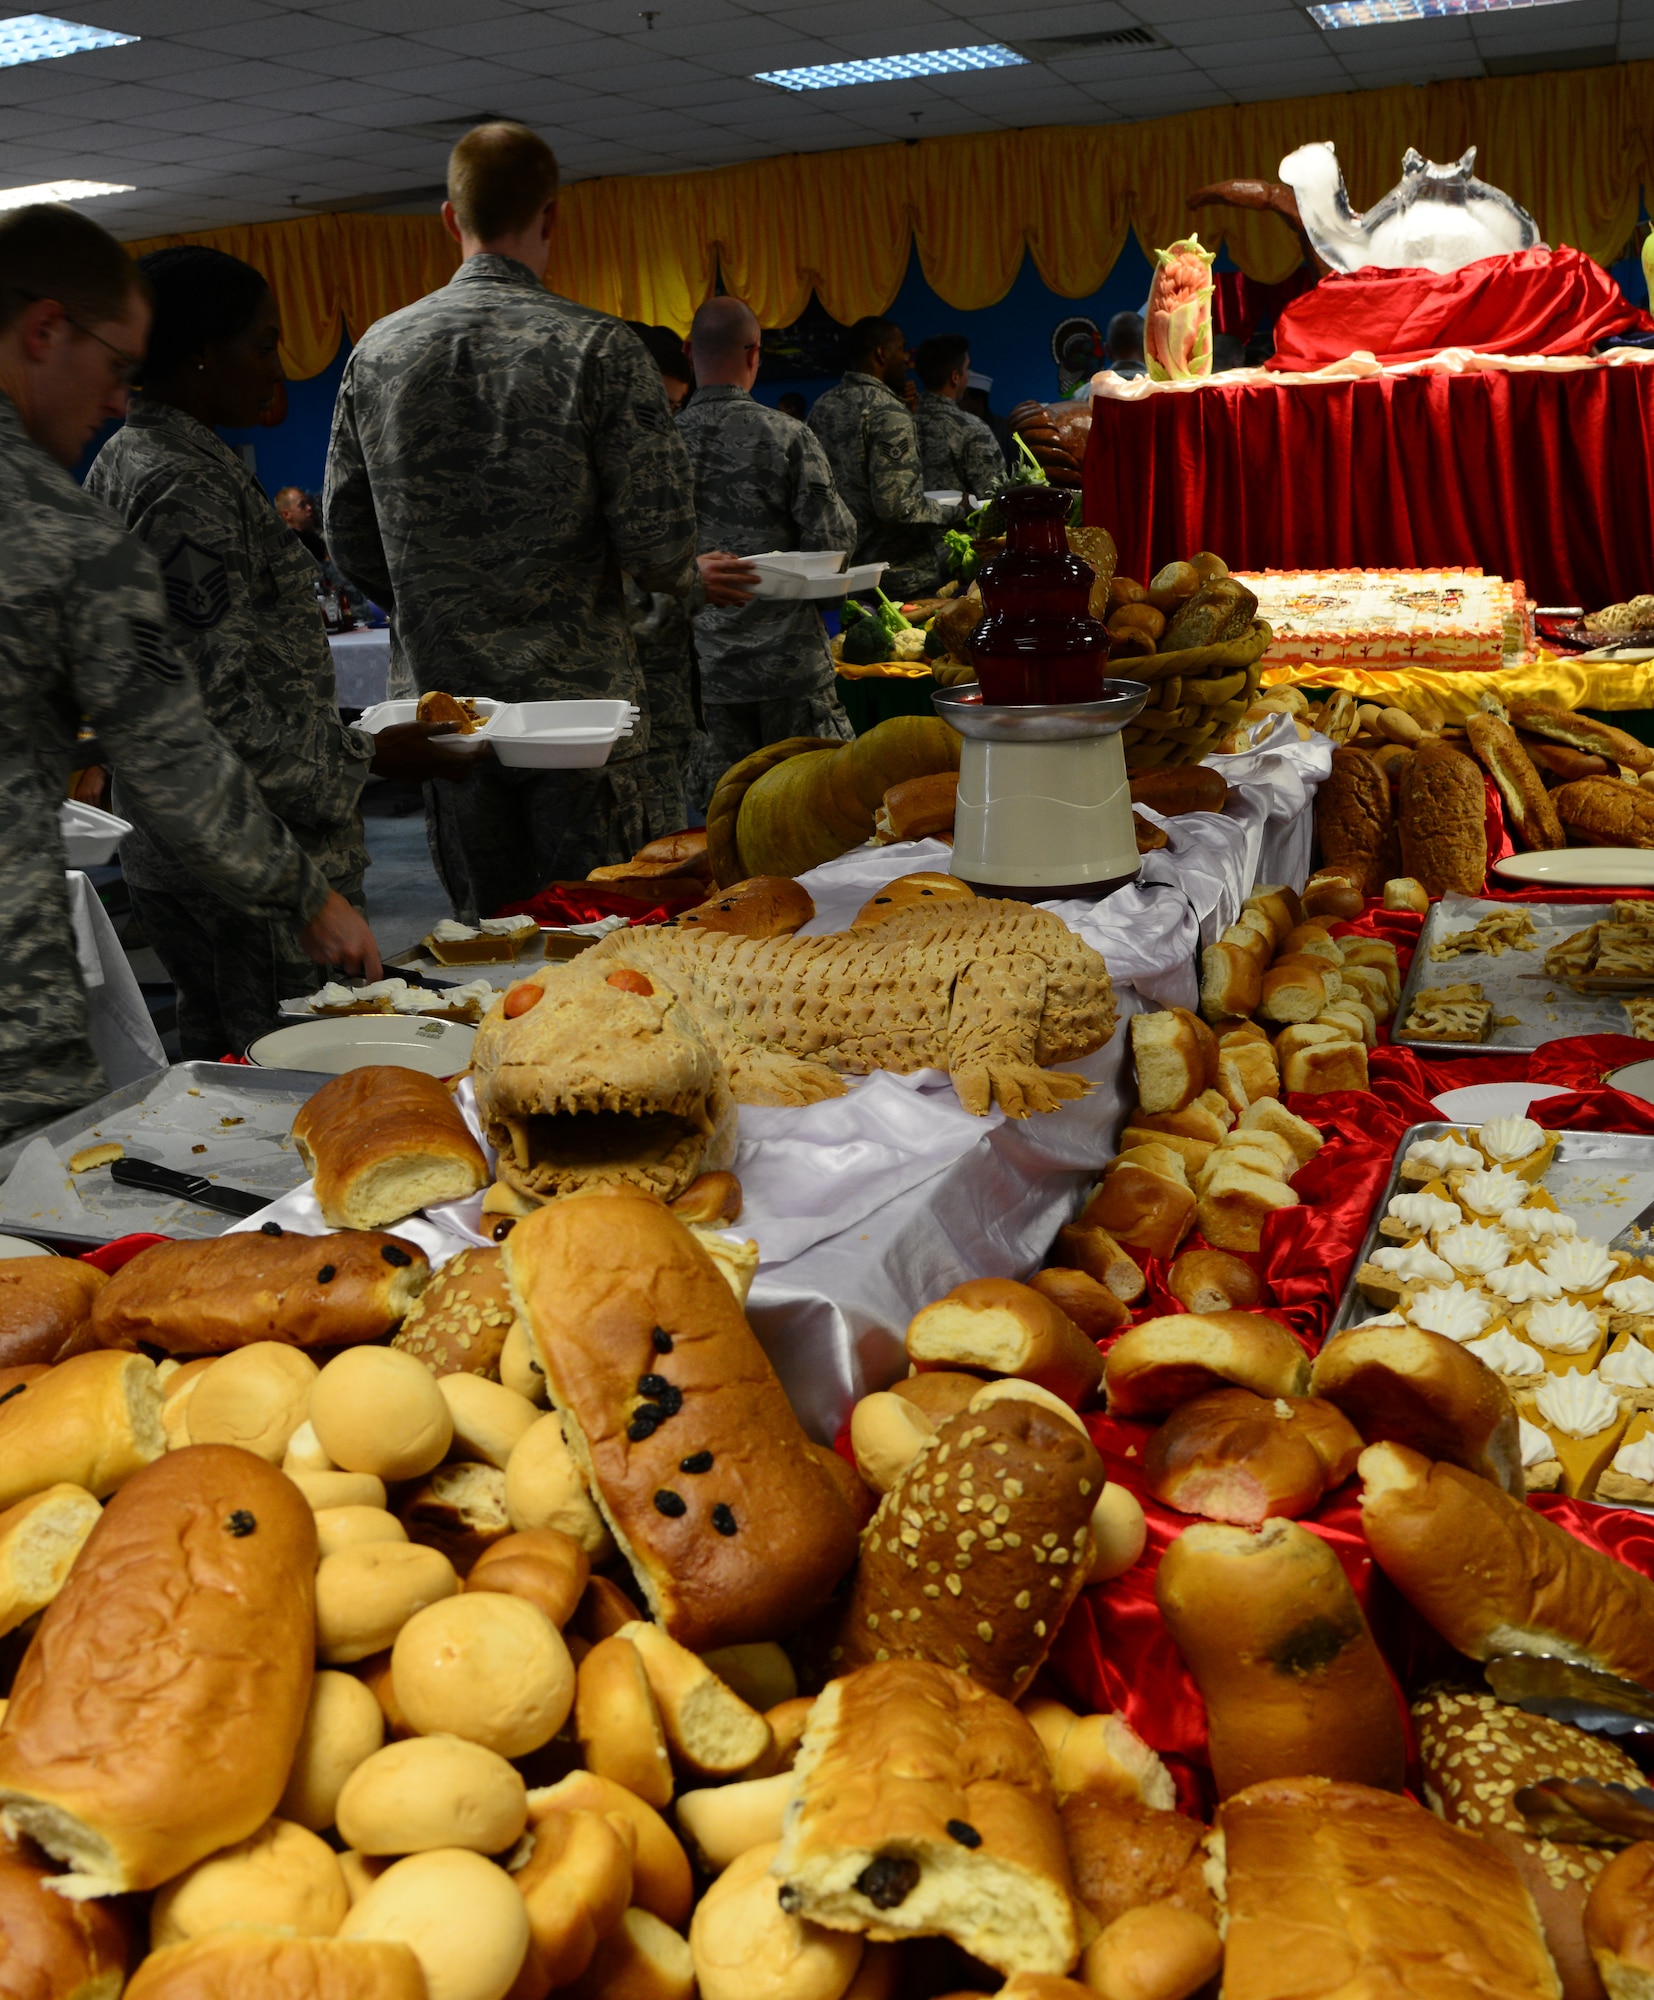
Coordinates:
(361, 665)
(121, 1032)
(868, 1205)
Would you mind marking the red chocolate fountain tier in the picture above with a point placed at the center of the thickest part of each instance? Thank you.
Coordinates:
(1038, 643)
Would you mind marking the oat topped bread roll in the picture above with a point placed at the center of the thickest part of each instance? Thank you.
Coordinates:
(924, 1808)
(269, 1284)
(155, 1716)
(384, 1141)
(45, 1308)
(671, 1408)
(459, 1323)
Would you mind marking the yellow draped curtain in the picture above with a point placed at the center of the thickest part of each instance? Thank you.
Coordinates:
(1574, 147)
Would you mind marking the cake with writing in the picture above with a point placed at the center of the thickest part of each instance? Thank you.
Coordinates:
(1388, 618)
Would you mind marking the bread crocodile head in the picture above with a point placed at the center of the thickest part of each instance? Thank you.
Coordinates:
(608, 1078)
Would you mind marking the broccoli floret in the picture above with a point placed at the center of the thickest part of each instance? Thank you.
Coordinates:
(890, 615)
(866, 643)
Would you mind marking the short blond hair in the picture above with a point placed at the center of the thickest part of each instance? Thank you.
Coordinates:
(500, 177)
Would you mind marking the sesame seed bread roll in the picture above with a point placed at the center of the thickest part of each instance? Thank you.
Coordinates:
(734, 1529)
(234, 1964)
(384, 1141)
(461, 1321)
(155, 1716)
(229, 1291)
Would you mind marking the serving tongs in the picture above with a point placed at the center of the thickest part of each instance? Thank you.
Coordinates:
(1587, 1812)
(156, 1179)
(1568, 1692)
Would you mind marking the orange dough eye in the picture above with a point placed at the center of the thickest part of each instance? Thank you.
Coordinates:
(521, 998)
(629, 981)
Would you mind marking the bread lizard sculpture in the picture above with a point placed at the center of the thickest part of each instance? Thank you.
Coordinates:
(630, 1062)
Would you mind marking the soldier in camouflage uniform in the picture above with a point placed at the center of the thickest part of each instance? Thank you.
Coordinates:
(761, 483)
(868, 436)
(958, 451)
(241, 589)
(84, 634)
(660, 631)
(499, 456)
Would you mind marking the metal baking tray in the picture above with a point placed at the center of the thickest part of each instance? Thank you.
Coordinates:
(1545, 1010)
(239, 1116)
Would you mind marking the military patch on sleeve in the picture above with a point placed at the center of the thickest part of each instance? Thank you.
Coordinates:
(155, 655)
(197, 586)
(650, 418)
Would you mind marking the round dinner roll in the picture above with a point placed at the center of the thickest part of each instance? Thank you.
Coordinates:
(743, 1942)
(661, 1880)
(343, 1726)
(304, 1452)
(725, 1821)
(463, 1918)
(234, 1964)
(1013, 1389)
(886, 1431)
(940, 1393)
(366, 1594)
(1119, 1532)
(375, 1409)
(282, 1876)
(541, 1565)
(256, 1397)
(338, 1489)
(1159, 1951)
(432, 1792)
(520, 1366)
(488, 1418)
(485, 1666)
(544, 1488)
(349, 1527)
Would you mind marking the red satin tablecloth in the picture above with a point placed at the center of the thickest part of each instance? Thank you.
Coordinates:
(1545, 477)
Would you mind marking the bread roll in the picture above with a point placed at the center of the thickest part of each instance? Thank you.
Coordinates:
(642, 1959)
(366, 1594)
(1126, 1854)
(1086, 1246)
(155, 1716)
(603, 1609)
(1161, 1952)
(1098, 1754)
(54, 1948)
(787, 1726)
(924, 1808)
(885, 1433)
(618, 1722)
(1292, 1681)
(1093, 1308)
(228, 1291)
(1296, 989)
(742, 1941)
(1236, 1203)
(545, 1488)
(1619, 1923)
(1146, 1205)
(577, 1883)
(520, 1366)
(1119, 1533)
(1008, 1329)
(429, 1793)
(1328, 1066)
(45, 1308)
(1159, 1363)
(1176, 1058)
(461, 1510)
(231, 1964)
(460, 1323)
(1425, 1391)
(938, 1395)
(1443, 820)
(732, 1527)
(762, 1674)
(920, 808)
(304, 1451)
(256, 1397)
(376, 1410)
(487, 1667)
(384, 1141)
(92, 1421)
(661, 1879)
(724, 1822)
(350, 1527)
(326, 1490)
(39, 1540)
(1337, 894)
(280, 1878)
(1403, 892)
(711, 1731)
(1009, 1389)
(1492, 1576)
(1211, 1281)
(461, 1916)
(1232, 1456)
(488, 1419)
(343, 1727)
(1341, 1890)
(763, 906)
(543, 1567)
(1352, 818)
(1231, 981)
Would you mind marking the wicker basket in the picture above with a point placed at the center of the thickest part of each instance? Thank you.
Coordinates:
(1195, 697)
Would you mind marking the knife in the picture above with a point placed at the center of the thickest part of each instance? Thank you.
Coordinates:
(1587, 1811)
(157, 1179)
(1585, 1696)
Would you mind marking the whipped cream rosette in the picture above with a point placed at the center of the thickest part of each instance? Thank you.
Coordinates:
(1586, 1422)
(1580, 1266)
(1629, 1475)
(1413, 1215)
(1541, 1468)
(1570, 1335)
(1427, 1159)
(1522, 1284)
(1517, 1144)
(1474, 1249)
(1628, 1369)
(1509, 1357)
(1488, 1191)
(1390, 1270)
(1457, 1311)
(1534, 1223)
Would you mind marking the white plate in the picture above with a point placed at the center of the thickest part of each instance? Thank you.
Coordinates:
(802, 562)
(560, 735)
(387, 714)
(944, 496)
(1583, 867)
(1478, 1102)
(90, 835)
(20, 1246)
(1636, 1080)
(353, 1041)
(1623, 656)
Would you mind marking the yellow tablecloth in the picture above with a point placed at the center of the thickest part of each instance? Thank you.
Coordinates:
(1570, 683)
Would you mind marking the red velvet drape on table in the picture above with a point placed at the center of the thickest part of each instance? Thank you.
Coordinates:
(1545, 477)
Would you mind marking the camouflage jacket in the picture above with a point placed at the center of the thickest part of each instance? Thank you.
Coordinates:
(761, 483)
(499, 456)
(240, 586)
(958, 451)
(84, 635)
(873, 451)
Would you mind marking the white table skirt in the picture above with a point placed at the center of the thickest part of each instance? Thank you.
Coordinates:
(121, 1032)
(361, 665)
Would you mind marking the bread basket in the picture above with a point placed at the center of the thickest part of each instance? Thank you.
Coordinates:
(1196, 695)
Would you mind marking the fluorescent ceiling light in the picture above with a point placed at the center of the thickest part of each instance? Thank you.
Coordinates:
(26, 38)
(892, 69)
(60, 191)
(1372, 13)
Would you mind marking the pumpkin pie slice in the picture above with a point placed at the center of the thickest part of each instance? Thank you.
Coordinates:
(1572, 1338)
(1630, 1473)
(1585, 1421)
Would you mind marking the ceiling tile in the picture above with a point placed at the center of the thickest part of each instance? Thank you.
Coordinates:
(167, 17)
(275, 35)
(371, 56)
(401, 17)
(507, 37)
(198, 117)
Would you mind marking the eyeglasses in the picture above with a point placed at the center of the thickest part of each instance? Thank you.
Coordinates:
(130, 364)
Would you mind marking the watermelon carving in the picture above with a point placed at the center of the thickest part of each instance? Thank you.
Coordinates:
(1177, 338)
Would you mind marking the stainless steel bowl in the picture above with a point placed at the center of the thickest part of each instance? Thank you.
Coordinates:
(1047, 722)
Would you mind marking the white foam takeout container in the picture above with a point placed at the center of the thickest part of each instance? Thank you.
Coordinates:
(811, 574)
(90, 835)
(388, 714)
(560, 735)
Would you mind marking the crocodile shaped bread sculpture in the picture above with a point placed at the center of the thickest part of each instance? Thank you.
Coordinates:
(631, 1062)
